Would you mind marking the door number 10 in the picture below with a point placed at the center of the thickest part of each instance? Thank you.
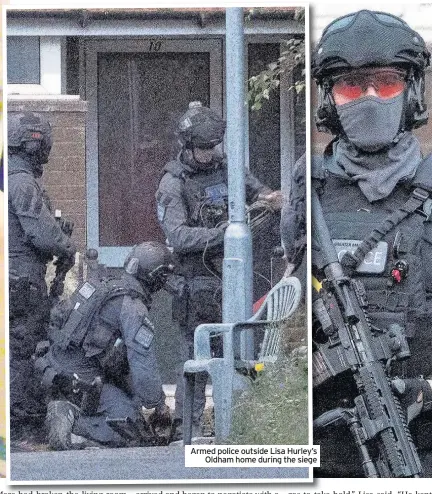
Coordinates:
(155, 45)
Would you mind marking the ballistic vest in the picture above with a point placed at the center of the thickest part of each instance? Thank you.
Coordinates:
(391, 233)
(83, 325)
(392, 269)
(393, 274)
(205, 194)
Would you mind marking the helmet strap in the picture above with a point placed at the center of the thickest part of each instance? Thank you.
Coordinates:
(416, 109)
(327, 119)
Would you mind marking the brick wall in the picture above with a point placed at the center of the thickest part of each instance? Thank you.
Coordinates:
(64, 175)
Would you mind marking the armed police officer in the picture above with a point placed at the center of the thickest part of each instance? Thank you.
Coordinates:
(101, 366)
(373, 185)
(192, 210)
(34, 238)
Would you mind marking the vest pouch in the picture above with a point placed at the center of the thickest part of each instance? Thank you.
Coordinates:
(206, 196)
(114, 362)
(19, 295)
(98, 338)
(205, 296)
(420, 342)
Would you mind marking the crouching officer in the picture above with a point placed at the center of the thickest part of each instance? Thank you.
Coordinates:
(34, 238)
(192, 208)
(101, 367)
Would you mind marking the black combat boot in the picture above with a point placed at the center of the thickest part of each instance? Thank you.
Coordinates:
(60, 419)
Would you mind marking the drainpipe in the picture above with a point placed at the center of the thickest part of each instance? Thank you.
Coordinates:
(237, 264)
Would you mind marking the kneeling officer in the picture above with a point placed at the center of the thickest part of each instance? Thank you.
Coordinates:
(101, 366)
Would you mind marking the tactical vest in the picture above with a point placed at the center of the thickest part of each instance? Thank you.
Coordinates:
(391, 271)
(83, 326)
(205, 194)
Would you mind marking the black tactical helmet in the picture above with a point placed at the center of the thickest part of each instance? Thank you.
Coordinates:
(201, 127)
(370, 39)
(29, 133)
(150, 262)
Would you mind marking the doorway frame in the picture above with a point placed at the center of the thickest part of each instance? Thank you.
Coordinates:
(114, 256)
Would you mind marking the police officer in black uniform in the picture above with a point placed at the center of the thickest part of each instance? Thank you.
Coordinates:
(34, 238)
(369, 68)
(192, 210)
(101, 367)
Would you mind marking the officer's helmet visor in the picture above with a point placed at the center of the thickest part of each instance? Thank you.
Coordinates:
(353, 85)
(344, 21)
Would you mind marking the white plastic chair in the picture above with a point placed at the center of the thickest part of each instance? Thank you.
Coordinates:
(280, 303)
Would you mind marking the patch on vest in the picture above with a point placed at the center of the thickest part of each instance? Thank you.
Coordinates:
(144, 337)
(374, 261)
(427, 209)
(87, 290)
(216, 194)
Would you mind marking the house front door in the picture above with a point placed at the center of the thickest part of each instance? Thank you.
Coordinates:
(137, 91)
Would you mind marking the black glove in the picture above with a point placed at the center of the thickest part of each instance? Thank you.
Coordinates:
(415, 396)
(160, 418)
(66, 262)
(66, 226)
(63, 383)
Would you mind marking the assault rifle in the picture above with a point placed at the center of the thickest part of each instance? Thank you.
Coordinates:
(377, 421)
(63, 264)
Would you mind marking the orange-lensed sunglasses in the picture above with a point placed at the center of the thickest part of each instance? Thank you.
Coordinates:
(387, 83)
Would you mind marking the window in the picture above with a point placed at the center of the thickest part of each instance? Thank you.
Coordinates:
(34, 64)
(23, 59)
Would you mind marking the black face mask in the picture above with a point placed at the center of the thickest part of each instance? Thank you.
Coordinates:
(371, 123)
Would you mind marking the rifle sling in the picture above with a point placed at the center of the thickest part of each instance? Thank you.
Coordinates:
(351, 260)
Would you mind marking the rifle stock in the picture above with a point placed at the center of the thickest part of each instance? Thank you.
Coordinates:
(377, 420)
